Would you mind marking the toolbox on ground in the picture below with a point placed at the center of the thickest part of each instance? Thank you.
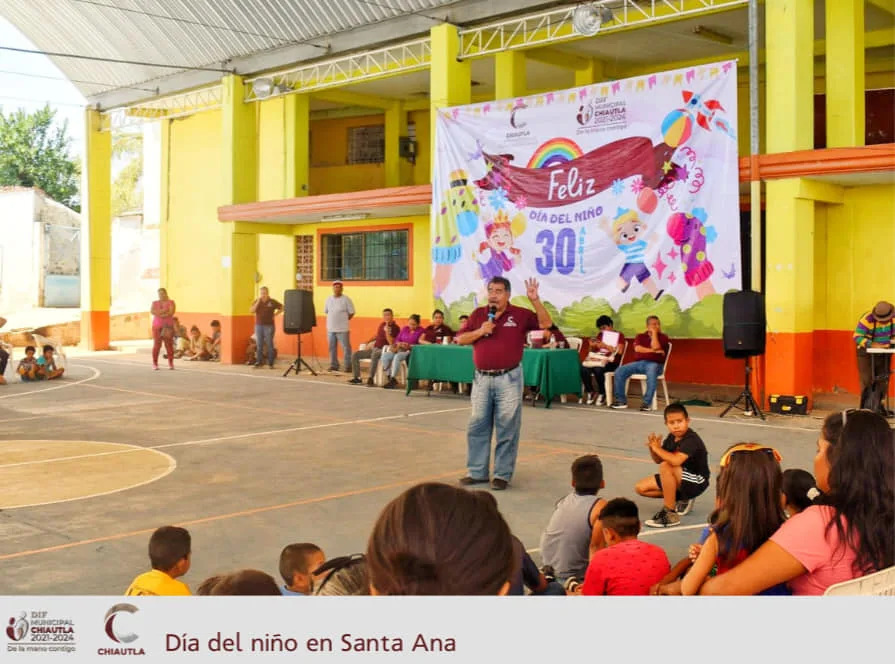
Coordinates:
(788, 404)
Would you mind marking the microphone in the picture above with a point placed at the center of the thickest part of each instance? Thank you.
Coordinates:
(492, 314)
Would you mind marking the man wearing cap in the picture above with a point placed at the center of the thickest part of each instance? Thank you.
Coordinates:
(876, 329)
(497, 334)
(339, 309)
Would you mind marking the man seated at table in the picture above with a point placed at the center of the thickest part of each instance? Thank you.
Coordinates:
(399, 351)
(386, 334)
(438, 333)
(650, 350)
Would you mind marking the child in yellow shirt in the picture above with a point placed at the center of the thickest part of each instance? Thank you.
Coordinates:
(169, 554)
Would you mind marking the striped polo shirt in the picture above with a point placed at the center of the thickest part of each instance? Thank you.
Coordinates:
(870, 331)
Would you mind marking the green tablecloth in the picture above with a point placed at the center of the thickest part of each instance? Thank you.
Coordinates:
(552, 371)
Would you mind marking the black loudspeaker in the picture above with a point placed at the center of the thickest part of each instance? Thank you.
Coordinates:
(298, 311)
(744, 324)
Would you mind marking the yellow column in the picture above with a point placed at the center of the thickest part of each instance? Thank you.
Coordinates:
(298, 144)
(593, 72)
(450, 82)
(395, 127)
(509, 75)
(96, 234)
(239, 250)
(789, 242)
(164, 208)
(845, 73)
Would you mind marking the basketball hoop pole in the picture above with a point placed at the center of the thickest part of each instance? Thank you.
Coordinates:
(749, 406)
(299, 363)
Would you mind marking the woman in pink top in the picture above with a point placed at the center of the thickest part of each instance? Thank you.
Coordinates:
(163, 310)
(850, 533)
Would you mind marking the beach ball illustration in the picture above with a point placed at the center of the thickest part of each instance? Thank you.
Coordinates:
(677, 127)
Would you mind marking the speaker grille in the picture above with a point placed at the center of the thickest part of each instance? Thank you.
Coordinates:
(744, 324)
(298, 311)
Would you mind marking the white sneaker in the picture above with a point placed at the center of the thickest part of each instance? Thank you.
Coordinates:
(600, 400)
(590, 399)
(684, 507)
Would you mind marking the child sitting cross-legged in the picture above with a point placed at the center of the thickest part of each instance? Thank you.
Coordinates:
(169, 555)
(627, 566)
(27, 368)
(573, 533)
(46, 365)
(683, 469)
(748, 511)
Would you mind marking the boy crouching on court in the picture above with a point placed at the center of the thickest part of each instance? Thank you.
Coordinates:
(683, 469)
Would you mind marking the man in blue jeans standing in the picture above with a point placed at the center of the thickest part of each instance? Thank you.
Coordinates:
(339, 309)
(650, 350)
(264, 309)
(497, 333)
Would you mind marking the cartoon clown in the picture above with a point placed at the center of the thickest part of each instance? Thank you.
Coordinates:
(628, 233)
(458, 216)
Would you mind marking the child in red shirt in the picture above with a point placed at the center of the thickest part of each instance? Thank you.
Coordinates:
(627, 566)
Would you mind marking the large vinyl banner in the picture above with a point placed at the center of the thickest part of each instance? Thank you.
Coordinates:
(620, 198)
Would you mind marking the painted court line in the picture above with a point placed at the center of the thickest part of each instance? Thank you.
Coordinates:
(205, 441)
(64, 384)
(252, 511)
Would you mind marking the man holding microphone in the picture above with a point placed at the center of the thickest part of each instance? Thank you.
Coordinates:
(264, 308)
(497, 333)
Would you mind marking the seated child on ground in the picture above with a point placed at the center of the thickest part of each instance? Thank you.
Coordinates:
(297, 562)
(573, 532)
(198, 345)
(747, 512)
(181, 339)
(627, 566)
(46, 365)
(27, 368)
(251, 350)
(683, 469)
(169, 555)
(214, 344)
(799, 491)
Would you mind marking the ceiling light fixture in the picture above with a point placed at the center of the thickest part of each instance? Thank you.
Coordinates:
(712, 35)
(262, 87)
(588, 19)
(345, 217)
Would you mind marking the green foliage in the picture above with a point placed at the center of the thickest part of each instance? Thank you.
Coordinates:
(452, 312)
(34, 152)
(701, 321)
(127, 194)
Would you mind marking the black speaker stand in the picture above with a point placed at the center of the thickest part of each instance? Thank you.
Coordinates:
(749, 406)
(299, 363)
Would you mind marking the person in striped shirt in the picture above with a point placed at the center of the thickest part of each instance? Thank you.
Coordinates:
(876, 329)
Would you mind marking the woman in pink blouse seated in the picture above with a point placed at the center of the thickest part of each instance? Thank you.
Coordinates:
(849, 534)
(400, 350)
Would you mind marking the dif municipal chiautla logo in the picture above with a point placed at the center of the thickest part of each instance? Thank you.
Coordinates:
(116, 628)
(39, 632)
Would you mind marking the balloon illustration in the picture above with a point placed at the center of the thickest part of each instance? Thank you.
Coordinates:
(647, 200)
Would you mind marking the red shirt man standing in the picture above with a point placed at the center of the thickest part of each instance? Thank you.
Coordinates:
(497, 333)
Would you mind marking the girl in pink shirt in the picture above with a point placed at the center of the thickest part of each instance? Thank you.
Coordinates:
(850, 534)
(163, 310)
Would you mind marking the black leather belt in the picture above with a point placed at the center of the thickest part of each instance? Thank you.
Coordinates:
(496, 372)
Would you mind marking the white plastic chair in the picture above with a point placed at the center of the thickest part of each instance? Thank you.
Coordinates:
(608, 377)
(660, 378)
(379, 378)
(878, 583)
(574, 343)
(56, 343)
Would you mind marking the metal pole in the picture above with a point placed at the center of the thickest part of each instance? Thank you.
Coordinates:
(757, 278)
(754, 128)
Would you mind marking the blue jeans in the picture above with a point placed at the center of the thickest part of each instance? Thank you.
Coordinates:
(496, 405)
(342, 338)
(264, 339)
(391, 362)
(651, 369)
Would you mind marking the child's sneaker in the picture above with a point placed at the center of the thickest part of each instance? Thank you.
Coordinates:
(571, 585)
(664, 519)
(684, 507)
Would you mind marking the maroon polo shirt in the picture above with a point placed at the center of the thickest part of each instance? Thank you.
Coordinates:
(646, 341)
(434, 334)
(381, 341)
(503, 349)
(264, 311)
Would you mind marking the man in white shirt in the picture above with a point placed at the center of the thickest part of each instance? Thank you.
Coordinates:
(339, 310)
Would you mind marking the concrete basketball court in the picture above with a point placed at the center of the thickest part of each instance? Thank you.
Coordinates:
(250, 461)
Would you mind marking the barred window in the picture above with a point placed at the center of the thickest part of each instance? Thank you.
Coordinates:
(365, 256)
(366, 145)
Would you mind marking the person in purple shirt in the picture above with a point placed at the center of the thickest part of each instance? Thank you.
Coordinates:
(400, 350)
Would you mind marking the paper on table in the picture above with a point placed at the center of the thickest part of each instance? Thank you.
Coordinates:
(610, 338)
